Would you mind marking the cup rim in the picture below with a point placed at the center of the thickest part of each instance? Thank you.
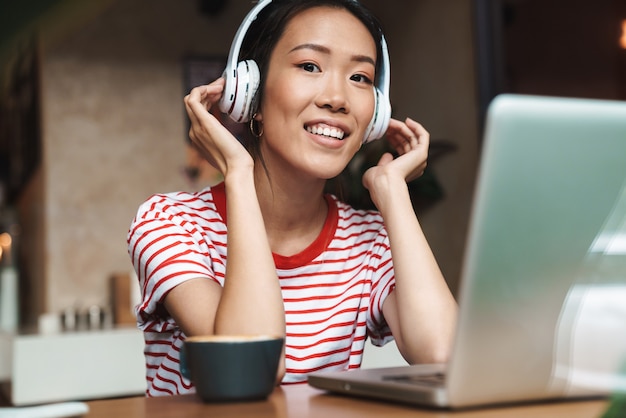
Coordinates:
(233, 338)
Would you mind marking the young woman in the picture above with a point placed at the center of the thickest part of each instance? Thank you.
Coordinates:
(267, 251)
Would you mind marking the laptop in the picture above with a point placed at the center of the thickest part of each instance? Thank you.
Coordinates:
(541, 300)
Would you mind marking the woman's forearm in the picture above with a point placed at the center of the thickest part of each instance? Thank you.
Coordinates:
(423, 307)
(251, 301)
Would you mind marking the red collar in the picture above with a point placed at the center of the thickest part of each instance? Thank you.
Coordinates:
(308, 254)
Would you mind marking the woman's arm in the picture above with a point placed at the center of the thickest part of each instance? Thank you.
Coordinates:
(421, 311)
(250, 301)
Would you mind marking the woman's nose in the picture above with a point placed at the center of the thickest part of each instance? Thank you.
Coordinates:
(333, 95)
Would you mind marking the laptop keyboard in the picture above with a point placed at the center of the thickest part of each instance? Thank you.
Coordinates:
(432, 379)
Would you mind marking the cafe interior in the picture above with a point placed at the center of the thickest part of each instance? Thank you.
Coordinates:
(92, 123)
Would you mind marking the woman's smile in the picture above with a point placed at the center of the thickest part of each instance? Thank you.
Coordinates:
(325, 130)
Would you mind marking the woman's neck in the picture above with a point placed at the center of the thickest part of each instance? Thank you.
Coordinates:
(294, 211)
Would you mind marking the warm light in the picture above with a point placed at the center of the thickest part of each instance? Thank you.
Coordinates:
(5, 240)
(622, 40)
(5, 243)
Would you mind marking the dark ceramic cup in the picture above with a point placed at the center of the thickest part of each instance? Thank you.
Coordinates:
(231, 368)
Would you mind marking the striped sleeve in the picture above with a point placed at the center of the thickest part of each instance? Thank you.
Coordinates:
(167, 245)
(383, 283)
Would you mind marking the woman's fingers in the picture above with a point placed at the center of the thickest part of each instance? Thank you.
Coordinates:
(410, 140)
(214, 141)
(406, 136)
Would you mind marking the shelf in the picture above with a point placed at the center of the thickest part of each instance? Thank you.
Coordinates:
(82, 365)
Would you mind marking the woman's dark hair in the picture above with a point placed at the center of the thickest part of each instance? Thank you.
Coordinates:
(265, 32)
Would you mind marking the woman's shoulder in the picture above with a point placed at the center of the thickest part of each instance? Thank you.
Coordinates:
(351, 215)
(187, 201)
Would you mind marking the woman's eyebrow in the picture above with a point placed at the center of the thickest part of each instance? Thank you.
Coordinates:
(325, 50)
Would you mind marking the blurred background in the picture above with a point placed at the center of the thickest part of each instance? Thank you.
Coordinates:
(92, 120)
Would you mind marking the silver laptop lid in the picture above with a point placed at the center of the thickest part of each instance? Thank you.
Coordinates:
(545, 265)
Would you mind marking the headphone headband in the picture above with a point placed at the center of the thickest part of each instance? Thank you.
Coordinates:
(242, 79)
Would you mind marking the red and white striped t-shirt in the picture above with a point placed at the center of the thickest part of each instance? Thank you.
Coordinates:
(333, 291)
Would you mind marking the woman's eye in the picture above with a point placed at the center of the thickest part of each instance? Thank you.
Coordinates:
(309, 67)
(360, 78)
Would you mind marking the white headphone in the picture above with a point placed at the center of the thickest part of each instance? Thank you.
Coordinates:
(243, 78)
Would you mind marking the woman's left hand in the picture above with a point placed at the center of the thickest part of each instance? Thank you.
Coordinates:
(411, 142)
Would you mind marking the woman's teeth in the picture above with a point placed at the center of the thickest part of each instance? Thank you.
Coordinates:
(325, 131)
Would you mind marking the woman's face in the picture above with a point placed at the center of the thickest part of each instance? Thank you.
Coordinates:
(318, 98)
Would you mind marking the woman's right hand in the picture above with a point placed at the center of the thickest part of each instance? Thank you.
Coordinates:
(212, 139)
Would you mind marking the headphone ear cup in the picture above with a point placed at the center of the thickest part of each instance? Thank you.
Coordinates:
(247, 83)
(380, 120)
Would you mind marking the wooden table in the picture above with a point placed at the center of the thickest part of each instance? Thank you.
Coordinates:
(303, 401)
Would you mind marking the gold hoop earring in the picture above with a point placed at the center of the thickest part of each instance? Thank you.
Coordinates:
(258, 131)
